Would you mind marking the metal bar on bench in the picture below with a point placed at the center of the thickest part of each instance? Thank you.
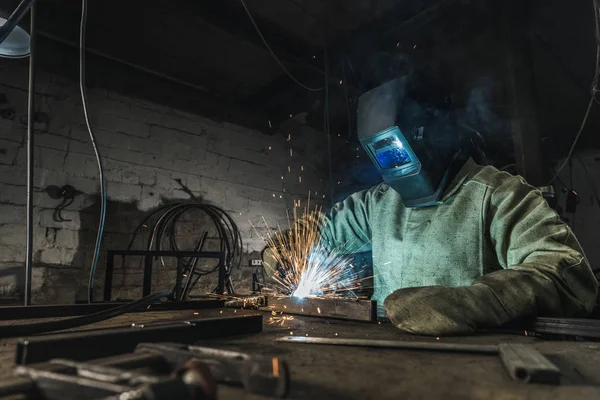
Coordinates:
(178, 278)
(97, 343)
(567, 326)
(353, 310)
(108, 275)
(70, 310)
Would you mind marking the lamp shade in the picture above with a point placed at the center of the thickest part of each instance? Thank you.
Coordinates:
(16, 45)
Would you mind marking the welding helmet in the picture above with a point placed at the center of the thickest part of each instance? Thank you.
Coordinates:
(406, 128)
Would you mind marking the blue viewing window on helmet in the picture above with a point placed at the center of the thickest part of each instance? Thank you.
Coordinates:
(390, 153)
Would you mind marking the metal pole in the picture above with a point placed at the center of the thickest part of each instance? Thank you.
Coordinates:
(30, 160)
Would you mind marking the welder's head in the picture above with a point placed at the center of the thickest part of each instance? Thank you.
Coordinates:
(407, 127)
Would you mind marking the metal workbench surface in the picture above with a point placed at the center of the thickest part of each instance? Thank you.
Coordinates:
(331, 372)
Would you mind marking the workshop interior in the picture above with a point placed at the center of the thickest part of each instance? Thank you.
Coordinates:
(304, 199)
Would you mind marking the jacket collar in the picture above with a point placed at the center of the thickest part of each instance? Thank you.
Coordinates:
(461, 177)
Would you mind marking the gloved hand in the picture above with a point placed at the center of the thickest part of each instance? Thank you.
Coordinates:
(439, 310)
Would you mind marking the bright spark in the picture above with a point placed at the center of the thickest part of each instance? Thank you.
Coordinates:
(308, 266)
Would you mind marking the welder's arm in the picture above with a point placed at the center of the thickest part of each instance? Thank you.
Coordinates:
(545, 275)
(346, 227)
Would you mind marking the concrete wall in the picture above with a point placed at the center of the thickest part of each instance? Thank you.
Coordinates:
(146, 147)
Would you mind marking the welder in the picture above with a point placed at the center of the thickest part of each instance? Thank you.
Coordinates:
(457, 246)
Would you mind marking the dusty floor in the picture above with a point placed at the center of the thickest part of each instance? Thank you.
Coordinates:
(325, 372)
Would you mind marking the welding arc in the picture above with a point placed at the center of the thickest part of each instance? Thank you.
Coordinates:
(162, 224)
(51, 326)
(277, 60)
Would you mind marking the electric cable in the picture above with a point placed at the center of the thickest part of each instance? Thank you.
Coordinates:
(96, 151)
(595, 89)
(30, 155)
(163, 223)
(51, 326)
(292, 77)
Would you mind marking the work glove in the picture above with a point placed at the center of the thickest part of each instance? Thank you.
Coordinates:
(444, 311)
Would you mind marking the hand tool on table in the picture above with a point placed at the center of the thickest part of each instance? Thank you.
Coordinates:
(153, 372)
(522, 362)
(268, 376)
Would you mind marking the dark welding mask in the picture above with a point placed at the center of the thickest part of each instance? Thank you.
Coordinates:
(408, 132)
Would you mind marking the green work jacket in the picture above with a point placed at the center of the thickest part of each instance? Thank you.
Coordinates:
(491, 229)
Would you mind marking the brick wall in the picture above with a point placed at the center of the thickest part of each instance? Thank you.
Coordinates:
(146, 148)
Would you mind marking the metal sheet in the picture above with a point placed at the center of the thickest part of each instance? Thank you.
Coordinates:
(395, 344)
(353, 310)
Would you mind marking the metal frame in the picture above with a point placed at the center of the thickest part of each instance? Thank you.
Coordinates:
(85, 345)
(70, 310)
(148, 256)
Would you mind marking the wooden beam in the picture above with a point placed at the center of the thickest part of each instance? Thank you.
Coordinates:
(352, 310)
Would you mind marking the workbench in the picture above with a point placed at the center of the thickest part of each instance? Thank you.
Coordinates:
(331, 372)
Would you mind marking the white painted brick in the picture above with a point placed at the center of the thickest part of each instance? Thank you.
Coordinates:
(45, 219)
(12, 130)
(151, 198)
(75, 164)
(86, 185)
(102, 120)
(151, 117)
(130, 176)
(67, 238)
(12, 234)
(55, 256)
(13, 194)
(10, 214)
(146, 176)
(12, 175)
(113, 175)
(183, 124)
(152, 160)
(12, 253)
(8, 152)
(144, 145)
(164, 180)
(50, 256)
(51, 141)
(133, 127)
(115, 107)
(118, 140)
(133, 279)
(50, 159)
(185, 166)
(123, 155)
(123, 192)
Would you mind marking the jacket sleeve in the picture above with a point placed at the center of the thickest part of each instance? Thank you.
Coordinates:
(546, 273)
(347, 226)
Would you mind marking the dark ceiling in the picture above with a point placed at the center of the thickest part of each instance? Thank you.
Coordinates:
(212, 46)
